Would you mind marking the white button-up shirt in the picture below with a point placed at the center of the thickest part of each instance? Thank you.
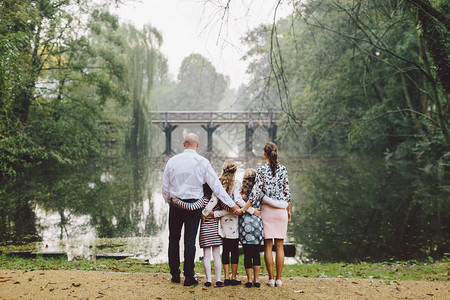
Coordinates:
(185, 174)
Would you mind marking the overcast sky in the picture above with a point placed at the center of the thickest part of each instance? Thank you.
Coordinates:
(199, 26)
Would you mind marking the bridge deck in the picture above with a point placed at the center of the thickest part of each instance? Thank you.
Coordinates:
(215, 117)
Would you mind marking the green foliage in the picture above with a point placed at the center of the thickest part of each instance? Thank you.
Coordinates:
(360, 80)
(60, 74)
(18, 152)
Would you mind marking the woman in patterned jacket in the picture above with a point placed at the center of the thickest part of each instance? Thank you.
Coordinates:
(272, 180)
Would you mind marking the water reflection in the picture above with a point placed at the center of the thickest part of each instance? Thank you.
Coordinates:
(355, 208)
(95, 210)
(81, 211)
(364, 208)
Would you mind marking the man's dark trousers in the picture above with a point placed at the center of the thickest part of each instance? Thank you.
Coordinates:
(190, 219)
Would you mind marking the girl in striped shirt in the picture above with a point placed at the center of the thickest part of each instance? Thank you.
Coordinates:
(209, 238)
(228, 228)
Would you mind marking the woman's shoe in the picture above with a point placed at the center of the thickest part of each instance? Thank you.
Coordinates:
(219, 283)
(271, 283)
(278, 283)
(208, 283)
(248, 284)
(257, 284)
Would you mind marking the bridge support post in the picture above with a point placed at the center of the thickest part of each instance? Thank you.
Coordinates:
(168, 131)
(249, 129)
(272, 131)
(210, 129)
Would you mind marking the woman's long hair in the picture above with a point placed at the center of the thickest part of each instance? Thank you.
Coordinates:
(272, 154)
(229, 169)
(248, 182)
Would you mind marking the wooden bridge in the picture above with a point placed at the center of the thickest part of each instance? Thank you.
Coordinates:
(211, 120)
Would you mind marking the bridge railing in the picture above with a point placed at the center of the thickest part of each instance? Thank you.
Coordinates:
(214, 117)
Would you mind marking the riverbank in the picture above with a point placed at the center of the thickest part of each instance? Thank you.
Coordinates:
(387, 271)
(57, 284)
(44, 278)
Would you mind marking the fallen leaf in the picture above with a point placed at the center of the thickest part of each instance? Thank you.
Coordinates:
(430, 294)
(52, 289)
(17, 282)
(230, 296)
(398, 289)
(76, 284)
(299, 291)
(63, 289)
(355, 282)
(30, 279)
(359, 294)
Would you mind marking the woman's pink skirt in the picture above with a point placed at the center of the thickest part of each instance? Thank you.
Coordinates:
(275, 221)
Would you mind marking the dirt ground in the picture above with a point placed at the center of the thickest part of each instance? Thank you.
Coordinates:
(96, 285)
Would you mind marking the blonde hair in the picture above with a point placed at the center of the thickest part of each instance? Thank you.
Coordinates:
(248, 182)
(229, 169)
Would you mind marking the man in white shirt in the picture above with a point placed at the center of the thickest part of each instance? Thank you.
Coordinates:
(184, 176)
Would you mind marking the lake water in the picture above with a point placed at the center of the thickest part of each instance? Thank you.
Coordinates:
(354, 208)
(113, 209)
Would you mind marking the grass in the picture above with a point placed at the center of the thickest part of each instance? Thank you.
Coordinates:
(388, 271)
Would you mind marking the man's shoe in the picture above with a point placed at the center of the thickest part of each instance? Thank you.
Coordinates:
(235, 282)
(227, 282)
(176, 279)
(190, 281)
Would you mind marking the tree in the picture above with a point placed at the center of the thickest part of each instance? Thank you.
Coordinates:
(54, 82)
(199, 86)
(357, 78)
